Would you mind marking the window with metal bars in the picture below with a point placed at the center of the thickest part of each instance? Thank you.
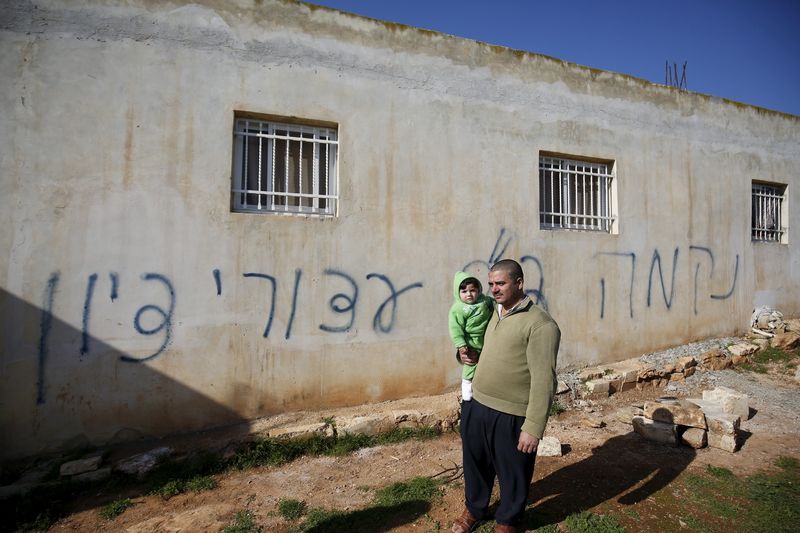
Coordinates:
(575, 194)
(768, 213)
(284, 168)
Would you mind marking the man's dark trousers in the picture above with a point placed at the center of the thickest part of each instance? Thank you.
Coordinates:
(489, 441)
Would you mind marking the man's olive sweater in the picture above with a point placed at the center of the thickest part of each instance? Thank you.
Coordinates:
(516, 373)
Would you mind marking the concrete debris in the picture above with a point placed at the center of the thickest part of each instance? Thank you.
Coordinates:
(732, 402)
(549, 447)
(73, 468)
(767, 319)
(597, 388)
(140, 464)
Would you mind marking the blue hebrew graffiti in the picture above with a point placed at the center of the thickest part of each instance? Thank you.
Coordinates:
(693, 248)
(217, 281)
(349, 306)
(498, 251)
(377, 320)
(45, 323)
(538, 293)
(657, 259)
(297, 274)
(272, 297)
(87, 304)
(166, 319)
(114, 278)
(733, 285)
(603, 281)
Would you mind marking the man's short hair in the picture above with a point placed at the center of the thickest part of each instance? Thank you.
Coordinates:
(510, 267)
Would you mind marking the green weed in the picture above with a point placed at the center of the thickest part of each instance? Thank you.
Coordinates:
(556, 408)
(416, 489)
(115, 508)
(587, 522)
(243, 522)
(720, 472)
(291, 509)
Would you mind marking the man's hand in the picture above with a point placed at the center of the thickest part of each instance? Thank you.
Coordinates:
(468, 355)
(527, 443)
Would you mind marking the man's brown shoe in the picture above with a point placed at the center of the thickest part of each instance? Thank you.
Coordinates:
(465, 523)
(504, 528)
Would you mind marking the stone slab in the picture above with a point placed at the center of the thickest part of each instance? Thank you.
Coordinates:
(656, 431)
(695, 437)
(743, 349)
(96, 475)
(732, 402)
(728, 443)
(682, 413)
(80, 466)
(717, 420)
(299, 432)
(597, 388)
(368, 425)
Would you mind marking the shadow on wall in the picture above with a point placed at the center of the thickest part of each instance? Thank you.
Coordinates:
(627, 468)
(54, 398)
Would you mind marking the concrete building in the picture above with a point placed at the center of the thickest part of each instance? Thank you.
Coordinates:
(219, 210)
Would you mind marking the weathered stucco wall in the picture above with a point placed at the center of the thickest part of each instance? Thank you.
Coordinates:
(115, 163)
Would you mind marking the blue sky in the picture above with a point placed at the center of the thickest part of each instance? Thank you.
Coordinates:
(743, 50)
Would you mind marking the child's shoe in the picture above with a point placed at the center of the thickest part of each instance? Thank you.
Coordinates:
(466, 390)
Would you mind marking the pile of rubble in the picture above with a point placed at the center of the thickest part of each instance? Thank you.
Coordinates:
(712, 421)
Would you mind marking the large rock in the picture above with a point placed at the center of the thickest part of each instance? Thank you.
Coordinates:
(728, 443)
(656, 431)
(792, 325)
(366, 425)
(96, 475)
(742, 349)
(597, 388)
(301, 432)
(142, 463)
(695, 437)
(717, 420)
(685, 362)
(626, 414)
(682, 413)
(549, 447)
(786, 341)
(732, 402)
(73, 468)
(715, 359)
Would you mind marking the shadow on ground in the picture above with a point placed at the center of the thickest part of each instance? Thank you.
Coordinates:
(626, 468)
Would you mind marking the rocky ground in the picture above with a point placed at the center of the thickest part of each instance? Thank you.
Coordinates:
(606, 467)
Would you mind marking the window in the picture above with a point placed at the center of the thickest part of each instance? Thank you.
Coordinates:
(284, 168)
(575, 194)
(768, 213)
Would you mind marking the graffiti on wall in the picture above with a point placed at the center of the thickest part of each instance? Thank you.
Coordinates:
(158, 318)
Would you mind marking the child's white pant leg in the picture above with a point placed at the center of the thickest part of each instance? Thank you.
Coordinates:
(466, 390)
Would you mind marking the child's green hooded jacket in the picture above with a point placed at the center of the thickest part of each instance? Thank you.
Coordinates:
(467, 322)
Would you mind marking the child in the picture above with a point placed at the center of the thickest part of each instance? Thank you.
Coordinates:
(469, 316)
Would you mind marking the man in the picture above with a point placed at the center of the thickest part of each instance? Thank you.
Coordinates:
(512, 391)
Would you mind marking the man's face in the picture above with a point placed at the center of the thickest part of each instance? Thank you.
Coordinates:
(505, 291)
(469, 293)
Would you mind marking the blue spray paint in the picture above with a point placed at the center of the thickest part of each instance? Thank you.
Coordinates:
(218, 281)
(693, 248)
(87, 304)
(45, 323)
(297, 274)
(538, 293)
(349, 302)
(657, 259)
(603, 281)
(166, 319)
(114, 278)
(377, 320)
(733, 285)
(272, 297)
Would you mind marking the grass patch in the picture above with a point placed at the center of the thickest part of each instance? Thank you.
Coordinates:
(633, 514)
(787, 463)
(291, 510)
(243, 522)
(556, 408)
(720, 472)
(587, 522)
(772, 355)
(416, 489)
(115, 508)
(693, 523)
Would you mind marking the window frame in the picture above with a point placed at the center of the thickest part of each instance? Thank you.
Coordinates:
(769, 198)
(572, 214)
(318, 197)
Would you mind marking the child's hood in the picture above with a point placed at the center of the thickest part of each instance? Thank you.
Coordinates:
(459, 278)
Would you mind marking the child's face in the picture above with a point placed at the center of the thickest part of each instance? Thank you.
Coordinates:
(468, 294)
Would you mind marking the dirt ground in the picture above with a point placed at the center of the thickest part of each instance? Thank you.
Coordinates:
(607, 470)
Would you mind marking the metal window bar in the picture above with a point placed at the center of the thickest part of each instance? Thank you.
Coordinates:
(767, 205)
(572, 209)
(298, 190)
